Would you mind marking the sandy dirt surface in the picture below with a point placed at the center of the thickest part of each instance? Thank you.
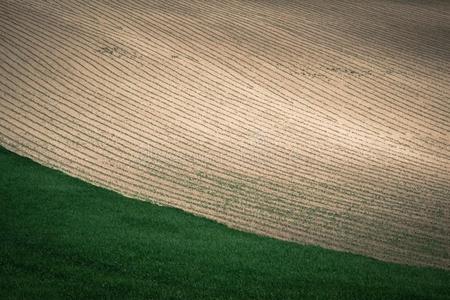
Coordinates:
(319, 121)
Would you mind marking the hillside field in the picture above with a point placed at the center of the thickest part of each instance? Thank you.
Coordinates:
(321, 122)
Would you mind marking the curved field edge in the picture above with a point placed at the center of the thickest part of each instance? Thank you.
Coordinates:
(64, 238)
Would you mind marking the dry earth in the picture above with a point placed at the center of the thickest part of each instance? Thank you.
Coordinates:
(319, 121)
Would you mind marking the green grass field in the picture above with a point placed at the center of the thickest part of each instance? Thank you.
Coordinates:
(64, 238)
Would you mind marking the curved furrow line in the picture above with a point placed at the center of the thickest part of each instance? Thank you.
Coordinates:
(289, 40)
(362, 34)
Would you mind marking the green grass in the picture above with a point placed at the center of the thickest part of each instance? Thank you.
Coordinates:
(64, 238)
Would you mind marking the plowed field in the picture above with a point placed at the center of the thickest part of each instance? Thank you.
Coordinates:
(319, 121)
